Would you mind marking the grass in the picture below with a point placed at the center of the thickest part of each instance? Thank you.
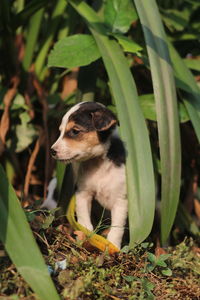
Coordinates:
(81, 272)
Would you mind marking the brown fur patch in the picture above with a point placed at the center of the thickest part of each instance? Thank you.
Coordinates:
(83, 141)
(73, 125)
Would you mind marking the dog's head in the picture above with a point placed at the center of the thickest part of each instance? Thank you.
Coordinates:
(84, 132)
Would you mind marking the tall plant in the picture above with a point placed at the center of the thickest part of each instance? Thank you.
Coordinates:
(111, 37)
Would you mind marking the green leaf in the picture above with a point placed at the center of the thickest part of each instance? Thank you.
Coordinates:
(48, 221)
(161, 263)
(186, 82)
(25, 132)
(129, 278)
(167, 272)
(151, 257)
(25, 136)
(193, 64)
(31, 8)
(164, 256)
(18, 102)
(167, 112)
(127, 44)
(140, 177)
(175, 20)
(40, 61)
(20, 244)
(74, 51)
(119, 14)
(148, 106)
(150, 267)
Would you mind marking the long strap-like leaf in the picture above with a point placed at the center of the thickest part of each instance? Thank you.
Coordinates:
(185, 81)
(19, 242)
(140, 177)
(166, 108)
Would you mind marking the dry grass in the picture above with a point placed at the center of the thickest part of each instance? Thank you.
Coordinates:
(86, 273)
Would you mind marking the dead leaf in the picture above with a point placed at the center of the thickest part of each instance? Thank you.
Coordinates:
(159, 251)
(7, 100)
(80, 235)
(69, 83)
(197, 207)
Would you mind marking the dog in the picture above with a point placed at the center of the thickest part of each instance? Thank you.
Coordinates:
(88, 135)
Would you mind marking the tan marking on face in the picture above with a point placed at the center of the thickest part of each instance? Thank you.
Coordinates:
(73, 125)
(83, 141)
(70, 125)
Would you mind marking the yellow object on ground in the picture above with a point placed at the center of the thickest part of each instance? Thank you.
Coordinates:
(94, 239)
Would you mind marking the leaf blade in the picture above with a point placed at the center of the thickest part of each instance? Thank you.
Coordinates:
(140, 179)
(167, 113)
(74, 51)
(15, 233)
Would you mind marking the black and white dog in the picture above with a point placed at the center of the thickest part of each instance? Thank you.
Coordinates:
(88, 135)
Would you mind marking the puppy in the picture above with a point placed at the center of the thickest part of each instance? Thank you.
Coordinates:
(88, 135)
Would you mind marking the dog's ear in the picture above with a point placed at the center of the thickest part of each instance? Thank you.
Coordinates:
(104, 119)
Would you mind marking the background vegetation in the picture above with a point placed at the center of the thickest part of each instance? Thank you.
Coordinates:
(118, 53)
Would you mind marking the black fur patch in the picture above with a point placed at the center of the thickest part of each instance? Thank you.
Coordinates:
(92, 116)
(104, 135)
(83, 116)
(117, 153)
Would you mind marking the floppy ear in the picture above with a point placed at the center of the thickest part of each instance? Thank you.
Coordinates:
(103, 119)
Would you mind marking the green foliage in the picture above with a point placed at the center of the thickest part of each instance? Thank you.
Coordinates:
(159, 263)
(167, 115)
(139, 161)
(119, 15)
(115, 64)
(14, 230)
(74, 51)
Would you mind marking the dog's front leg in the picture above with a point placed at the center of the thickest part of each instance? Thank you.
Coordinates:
(83, 208)
(118, 221)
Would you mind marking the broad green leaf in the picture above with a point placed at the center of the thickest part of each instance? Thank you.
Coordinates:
(20, 244)
(127, 44)
(119, 14)
(74, 51)
(186, 82)
(193, 64)
(167, 112)
(140, 177)
(147, 103)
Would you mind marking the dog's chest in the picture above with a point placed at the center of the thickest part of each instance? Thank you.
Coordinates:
(104, 180)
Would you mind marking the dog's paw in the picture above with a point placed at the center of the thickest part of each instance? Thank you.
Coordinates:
(89, 227)
(114, 239)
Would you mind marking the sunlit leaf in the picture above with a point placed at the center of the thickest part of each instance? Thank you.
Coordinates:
(74, 51)
(119, 14)
(166, 110)
(140, 177)
(127, 44)
(20, 244)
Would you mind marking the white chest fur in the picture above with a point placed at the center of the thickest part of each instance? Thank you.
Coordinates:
(101, 179)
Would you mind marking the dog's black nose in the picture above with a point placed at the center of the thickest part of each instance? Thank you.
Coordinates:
(53, 152)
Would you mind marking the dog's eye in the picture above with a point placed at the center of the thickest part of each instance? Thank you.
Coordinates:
(74, 132)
